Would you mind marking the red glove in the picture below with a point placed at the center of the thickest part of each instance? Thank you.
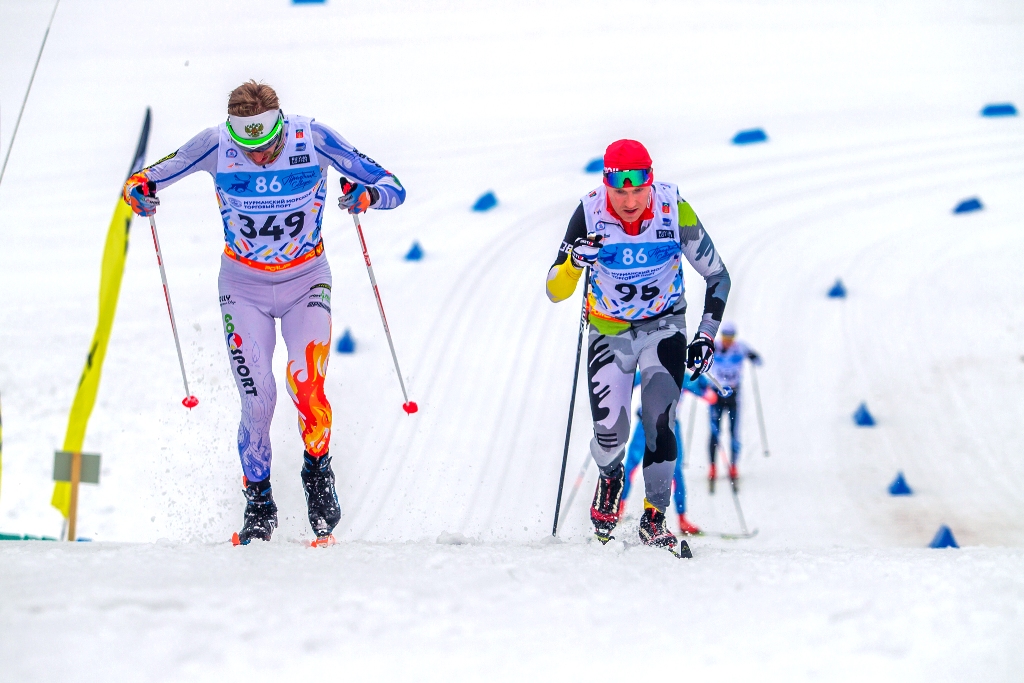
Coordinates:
(711, 396)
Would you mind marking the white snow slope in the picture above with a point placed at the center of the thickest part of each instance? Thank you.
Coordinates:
(443, 566)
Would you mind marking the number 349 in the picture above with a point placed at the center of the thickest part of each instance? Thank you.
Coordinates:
(293, 220)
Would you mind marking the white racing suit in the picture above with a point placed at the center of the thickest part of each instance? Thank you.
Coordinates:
(636, 310)
(274, 267)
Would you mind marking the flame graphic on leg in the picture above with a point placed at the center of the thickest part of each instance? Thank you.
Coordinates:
(310, 400)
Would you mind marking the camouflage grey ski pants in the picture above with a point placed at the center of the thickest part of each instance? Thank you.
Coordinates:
(658, 350)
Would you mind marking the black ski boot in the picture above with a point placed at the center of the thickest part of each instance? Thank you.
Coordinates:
(654, 531)
(260, 513)
(604, 511)
(321, 498)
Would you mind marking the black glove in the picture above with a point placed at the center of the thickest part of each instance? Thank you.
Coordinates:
(700, 354)
(585, 250)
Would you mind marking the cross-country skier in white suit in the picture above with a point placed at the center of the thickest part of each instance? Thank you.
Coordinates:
(270, 174)
(634, 232)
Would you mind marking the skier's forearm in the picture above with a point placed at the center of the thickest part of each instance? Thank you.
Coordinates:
(700, 252)
(391, 193)
(715, 296)
(198, 154)
(562, 280)
(353, 164)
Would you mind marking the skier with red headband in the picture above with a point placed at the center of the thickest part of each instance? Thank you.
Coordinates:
(632, 233)
(270, 177)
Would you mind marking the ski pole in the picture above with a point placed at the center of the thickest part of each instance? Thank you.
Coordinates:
(688, 446)
(409, 407)
(576, 486)
(189, 401)
(760, 413)
(736, 495)
(739, 510)
(722, 391)
(572, 400)
(31, 79)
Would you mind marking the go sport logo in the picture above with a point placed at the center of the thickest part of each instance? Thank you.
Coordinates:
(235, 349)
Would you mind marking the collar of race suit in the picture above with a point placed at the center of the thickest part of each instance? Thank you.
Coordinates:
(632, 228)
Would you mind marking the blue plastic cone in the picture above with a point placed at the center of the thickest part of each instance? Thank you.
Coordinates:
(595, 165)
(838, 290)
(346, 344)
(943, 538)
(1003, 109)
(968, 205)
(747, 137)
(862, 417)
(486, 202)
(415, 253)
(899, 486)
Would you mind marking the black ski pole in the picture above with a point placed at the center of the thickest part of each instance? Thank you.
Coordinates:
(572, 401)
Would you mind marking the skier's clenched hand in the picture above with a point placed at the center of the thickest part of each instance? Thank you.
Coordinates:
(585, 250)
(357, 197)
(700, 354)
(140, 194)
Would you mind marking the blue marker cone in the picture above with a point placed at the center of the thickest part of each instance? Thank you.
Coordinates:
(748, 137)
(862, 417)
(943, 538)
(838, 290)
(595, 165)
(486, 202)
(1002, 109)
(968, 205)
(345, 343)
(899, 486)
(415, 253)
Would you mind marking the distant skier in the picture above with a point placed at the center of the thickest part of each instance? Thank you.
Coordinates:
(633, 233)
(270, 174)
(638, 444)
(728, 370)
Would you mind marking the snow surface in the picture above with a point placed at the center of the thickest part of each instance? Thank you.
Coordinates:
(442, 569)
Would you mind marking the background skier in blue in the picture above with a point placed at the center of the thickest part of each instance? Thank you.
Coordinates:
(728, 370)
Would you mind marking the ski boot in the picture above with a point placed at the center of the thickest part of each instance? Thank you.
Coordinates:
(604, 511)
(712, 475)
(686, 528)
(734, 477)
(260, 513)
(321, 498)
(654, 532)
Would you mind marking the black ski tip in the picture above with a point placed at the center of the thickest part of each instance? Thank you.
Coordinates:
(684, 551)
(604, 538)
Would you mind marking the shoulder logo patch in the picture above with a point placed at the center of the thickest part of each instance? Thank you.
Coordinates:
(231, 153)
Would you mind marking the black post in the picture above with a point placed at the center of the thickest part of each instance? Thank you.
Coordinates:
(572, 401)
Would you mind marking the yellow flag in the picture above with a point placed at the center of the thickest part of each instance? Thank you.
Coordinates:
(114, 254)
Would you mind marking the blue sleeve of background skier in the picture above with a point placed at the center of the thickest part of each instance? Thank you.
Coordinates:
(355, 165)
(697, 387)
